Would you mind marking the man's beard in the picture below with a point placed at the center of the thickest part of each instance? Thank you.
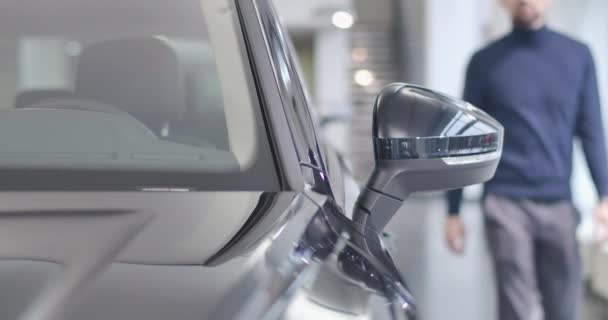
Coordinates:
(526, 20)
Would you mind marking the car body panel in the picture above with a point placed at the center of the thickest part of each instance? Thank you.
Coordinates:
(213, 254)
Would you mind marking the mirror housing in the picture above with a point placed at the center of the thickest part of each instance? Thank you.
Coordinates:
(426, 141)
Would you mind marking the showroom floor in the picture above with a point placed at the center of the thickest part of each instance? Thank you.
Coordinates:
(447, 286)
(595, 308)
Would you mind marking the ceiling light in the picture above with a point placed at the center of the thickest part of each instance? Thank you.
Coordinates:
(364, 78)
(343, 19)
(360, 55)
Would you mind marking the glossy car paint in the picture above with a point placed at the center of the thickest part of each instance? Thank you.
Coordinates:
(137, 255)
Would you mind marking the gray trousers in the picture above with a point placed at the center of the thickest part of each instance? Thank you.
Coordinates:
(536, 258)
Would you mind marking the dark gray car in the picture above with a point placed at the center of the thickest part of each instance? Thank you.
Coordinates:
(159, 160)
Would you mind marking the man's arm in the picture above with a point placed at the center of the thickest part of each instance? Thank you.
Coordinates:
(473, 92)
(454, 201)
(591, 131)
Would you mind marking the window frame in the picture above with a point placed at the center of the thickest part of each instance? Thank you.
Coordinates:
(295, 112)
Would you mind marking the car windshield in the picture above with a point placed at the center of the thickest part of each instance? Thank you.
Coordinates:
(125, 85)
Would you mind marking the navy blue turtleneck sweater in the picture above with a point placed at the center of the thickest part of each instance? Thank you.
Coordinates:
(541, 85)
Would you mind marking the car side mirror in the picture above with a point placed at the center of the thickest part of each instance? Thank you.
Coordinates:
(426, 141)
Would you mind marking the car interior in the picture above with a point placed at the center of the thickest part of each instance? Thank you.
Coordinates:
(123, 65)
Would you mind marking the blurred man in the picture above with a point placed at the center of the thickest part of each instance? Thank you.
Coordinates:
(541, 85)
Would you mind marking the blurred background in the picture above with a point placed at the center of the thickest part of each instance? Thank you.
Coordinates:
(350, 49)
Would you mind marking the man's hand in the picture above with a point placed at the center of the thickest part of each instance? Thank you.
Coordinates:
(455, 234)
(601, 221)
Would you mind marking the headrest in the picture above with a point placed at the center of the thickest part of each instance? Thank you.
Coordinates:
(203, 91)
(29, 97)
(141, 76)
(202, 79)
